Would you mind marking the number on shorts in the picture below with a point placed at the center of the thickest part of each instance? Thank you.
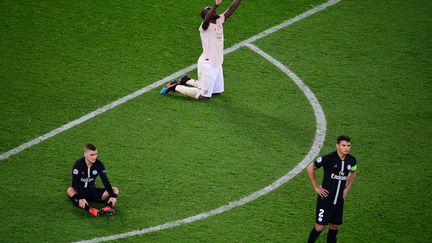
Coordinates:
(321, 213)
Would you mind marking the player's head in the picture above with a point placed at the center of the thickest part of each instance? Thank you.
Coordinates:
(343, 144)
(205, 11)
(90, 153)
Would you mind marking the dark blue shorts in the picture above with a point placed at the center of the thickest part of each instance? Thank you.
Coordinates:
(94, 194)
(329, 213)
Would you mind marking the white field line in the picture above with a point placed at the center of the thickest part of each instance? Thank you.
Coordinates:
(160, 82)
(320, 133)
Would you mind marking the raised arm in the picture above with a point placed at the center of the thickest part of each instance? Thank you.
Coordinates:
(210, 14)
(231, 9)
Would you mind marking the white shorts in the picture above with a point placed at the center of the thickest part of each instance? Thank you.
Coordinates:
(210, 79)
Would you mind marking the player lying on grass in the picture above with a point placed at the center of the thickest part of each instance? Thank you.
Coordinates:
(83, 188)
(210, 75)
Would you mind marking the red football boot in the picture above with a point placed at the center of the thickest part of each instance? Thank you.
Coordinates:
(108, 210)
(94, 211)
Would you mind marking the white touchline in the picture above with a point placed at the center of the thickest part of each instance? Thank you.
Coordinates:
(160, 82)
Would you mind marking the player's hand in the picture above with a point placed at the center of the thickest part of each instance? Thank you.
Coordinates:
(321, 191)
(217, 2)
(82, 203)
(113, 200)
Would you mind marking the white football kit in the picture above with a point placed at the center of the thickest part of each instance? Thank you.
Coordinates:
(210, 73)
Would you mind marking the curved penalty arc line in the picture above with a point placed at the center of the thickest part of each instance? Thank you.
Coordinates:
(313, 152)
(149, 87)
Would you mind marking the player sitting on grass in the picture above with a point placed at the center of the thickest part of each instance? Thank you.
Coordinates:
(83, 188)
(210, 75)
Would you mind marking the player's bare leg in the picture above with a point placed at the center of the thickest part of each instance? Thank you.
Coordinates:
(106, 195)
(188, 91)
(70, 192)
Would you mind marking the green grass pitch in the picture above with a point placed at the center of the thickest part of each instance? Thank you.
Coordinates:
(368, 63)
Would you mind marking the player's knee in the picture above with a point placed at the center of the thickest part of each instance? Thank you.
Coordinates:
(70, 192)
(319, 227)
(334, 226)
(116, 190)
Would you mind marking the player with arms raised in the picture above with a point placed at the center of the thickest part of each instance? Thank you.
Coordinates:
(210, 75)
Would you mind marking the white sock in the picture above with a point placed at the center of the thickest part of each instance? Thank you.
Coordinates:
(192, 82)
(188, 91)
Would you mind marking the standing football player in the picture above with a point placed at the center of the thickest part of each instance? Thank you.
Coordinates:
(83, 190)
(339, 174)
(210, 75)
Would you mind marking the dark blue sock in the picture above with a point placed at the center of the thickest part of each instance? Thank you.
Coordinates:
(313, 236)
(332, 236)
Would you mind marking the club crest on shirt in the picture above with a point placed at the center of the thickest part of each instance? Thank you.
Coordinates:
(94, 172)
(75, 172)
